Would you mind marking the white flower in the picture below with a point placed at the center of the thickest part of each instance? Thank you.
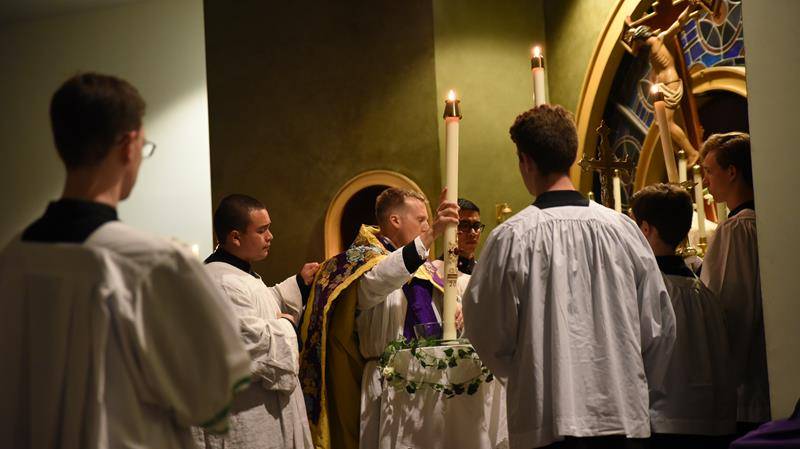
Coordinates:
(388, 371)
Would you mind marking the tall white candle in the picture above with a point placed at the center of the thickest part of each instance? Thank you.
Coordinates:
(663, 131)
(681, 166)
(617, 191)
(452, 117)
(722, 212)
(698, 199)
(537, 72)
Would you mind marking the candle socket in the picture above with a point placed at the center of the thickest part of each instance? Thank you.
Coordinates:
(537, 62)
(452, 109)
(701, 246)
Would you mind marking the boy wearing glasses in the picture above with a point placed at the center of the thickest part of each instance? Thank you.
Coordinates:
(117, 338)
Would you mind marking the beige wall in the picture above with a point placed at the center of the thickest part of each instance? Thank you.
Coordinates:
(482, 51)
(156, 45)
(300, 103)
(773, 70)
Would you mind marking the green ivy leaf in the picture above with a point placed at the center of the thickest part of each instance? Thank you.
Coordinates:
(473, 388)
(448, 352)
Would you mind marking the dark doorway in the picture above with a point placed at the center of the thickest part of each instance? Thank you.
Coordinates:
(721, 112)
(360, 209)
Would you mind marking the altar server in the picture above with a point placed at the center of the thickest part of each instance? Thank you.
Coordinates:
(270, 413)
(568, 304)
(111, 337)
(699, 409)
(731, 270)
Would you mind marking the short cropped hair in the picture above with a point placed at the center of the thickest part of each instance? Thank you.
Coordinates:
(666, 207)
(233, 214)
(465, 204)
(89, 113)
(547, 135)
(392, 198)
(731, 148)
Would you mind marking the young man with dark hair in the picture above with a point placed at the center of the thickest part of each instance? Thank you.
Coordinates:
(117, 338)
(568, 305)
(730, 270)
(699, 409)
(271, 411)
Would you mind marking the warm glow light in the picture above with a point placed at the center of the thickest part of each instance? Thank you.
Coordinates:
(537, 51)
(451, 96)
(654, 89)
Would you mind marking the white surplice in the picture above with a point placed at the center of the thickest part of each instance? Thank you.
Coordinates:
(381, 316)
(569, 305)
(271, 412)
(121, 341)
(700, 390)
(730, 270)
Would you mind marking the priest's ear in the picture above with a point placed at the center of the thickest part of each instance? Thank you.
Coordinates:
(394, 221)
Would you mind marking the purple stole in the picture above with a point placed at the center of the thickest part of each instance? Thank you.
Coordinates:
(419, 295)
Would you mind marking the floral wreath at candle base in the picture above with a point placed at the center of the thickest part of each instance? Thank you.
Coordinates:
(452, 356)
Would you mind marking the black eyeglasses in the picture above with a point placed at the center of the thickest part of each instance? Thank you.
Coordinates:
(466, 226)
(148, 148)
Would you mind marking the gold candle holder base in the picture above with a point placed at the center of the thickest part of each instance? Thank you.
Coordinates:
(701, 247)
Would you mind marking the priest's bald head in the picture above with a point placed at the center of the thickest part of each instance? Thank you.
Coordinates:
(401, 214)
(242, 226)
(547, 144)
(97, 129)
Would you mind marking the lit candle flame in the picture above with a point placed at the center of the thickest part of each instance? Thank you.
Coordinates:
(451, 96)
(537, 51)
(654, 89)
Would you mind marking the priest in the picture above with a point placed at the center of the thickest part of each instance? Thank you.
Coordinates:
(699, 409)
(568, 305)
(731, 270)
(112, 337)
(364, 298)
(270, 412)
